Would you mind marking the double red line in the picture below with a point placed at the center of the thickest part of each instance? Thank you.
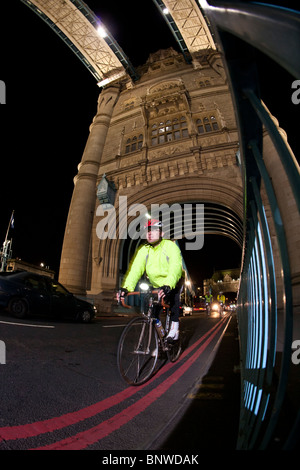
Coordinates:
(83, 439)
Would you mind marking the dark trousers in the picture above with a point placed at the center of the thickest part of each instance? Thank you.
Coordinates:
(173, 300)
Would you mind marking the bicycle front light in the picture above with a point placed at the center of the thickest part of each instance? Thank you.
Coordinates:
(144, 286)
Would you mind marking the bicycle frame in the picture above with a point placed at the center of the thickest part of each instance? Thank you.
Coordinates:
(150, 310)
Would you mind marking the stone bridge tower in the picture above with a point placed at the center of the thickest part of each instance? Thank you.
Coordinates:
(170, 137)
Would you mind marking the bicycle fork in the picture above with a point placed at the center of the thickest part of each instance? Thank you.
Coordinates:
(139, 348)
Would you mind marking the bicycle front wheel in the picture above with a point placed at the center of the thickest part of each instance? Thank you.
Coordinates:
(138, 351)
(174, 350)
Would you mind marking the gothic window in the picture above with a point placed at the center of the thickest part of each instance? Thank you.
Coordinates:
(134, 143)
(204, 83)
(214, 123)
(207, 124)
(128, 105)
(167, 131)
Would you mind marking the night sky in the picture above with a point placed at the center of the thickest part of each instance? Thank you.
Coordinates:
(51, 101)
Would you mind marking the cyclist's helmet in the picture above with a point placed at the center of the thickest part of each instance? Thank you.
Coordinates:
(153, 223)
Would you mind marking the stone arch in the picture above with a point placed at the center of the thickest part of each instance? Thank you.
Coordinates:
(180, 190)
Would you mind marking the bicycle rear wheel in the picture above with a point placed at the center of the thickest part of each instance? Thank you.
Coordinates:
(138, 351)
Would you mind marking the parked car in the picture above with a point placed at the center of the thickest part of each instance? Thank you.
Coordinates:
(22, 292)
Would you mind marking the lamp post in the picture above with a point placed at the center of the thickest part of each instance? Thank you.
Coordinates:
(6, 252)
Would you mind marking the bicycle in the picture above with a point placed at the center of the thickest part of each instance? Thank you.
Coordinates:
(141, 343)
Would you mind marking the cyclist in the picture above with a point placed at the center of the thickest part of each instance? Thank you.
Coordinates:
(221, 299)
(208, 300)
(162, 262)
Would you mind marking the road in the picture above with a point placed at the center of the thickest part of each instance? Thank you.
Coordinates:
(60, 387)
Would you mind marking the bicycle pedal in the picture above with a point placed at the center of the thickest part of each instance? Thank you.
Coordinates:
(171, 341)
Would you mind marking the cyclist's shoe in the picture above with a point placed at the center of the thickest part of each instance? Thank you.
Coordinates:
(173, 334)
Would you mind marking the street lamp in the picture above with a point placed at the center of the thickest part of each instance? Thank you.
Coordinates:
(102, 31)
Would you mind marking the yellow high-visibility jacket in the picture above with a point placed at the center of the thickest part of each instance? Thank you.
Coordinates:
(162, 264)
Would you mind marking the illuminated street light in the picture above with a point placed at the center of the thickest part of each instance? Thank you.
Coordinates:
(102, 31)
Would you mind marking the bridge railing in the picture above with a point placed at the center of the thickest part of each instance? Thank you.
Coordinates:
(269, 297)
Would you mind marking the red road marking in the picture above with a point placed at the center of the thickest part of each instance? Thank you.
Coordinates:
(40, 427)
(92, 435)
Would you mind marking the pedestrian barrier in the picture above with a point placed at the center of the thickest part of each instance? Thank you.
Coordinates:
(268, 300)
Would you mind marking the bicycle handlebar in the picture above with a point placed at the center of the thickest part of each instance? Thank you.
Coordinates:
(122, 299)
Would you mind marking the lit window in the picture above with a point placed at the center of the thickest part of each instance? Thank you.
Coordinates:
(169, 130)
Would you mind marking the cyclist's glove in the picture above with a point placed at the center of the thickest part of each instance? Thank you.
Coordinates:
(123, 292)
(166, 290)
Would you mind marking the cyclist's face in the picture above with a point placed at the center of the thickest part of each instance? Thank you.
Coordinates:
(153, 235)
